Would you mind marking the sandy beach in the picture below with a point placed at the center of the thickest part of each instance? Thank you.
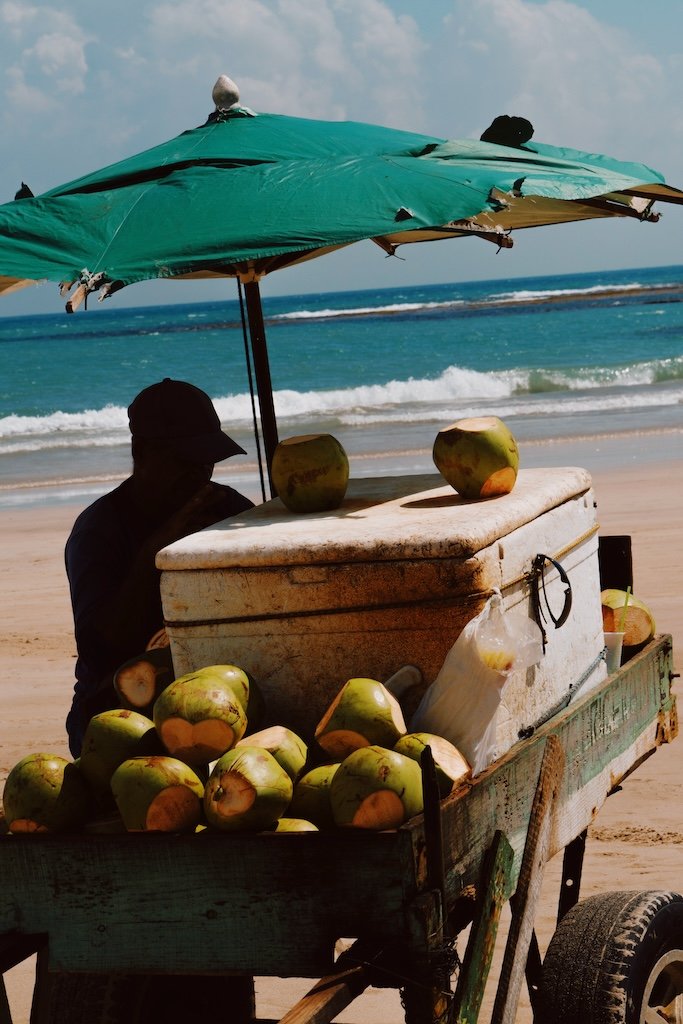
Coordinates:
(637, 840)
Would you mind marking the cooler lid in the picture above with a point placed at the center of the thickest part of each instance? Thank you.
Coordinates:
(381, 519)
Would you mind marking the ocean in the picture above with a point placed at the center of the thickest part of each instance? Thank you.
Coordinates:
(582, 356)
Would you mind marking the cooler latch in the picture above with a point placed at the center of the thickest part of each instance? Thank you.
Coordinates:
(539, 597)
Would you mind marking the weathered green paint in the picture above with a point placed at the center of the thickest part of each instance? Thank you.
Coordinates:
(529, 883)
(495, 884)
(274, 904)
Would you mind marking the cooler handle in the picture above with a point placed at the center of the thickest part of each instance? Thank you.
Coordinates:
(537, 581)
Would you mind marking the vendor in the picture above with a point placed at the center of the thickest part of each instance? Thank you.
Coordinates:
(110, 554)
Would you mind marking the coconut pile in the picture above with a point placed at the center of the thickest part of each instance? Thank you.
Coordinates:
(200, 761)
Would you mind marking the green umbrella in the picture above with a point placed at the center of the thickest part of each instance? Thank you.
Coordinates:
(245, 194)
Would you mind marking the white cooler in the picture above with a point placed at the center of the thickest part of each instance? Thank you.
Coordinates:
(305, 602)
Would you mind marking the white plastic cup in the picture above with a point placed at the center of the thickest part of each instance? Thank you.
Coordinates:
(614, 643)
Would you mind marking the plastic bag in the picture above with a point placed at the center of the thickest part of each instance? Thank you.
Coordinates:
(462, 703)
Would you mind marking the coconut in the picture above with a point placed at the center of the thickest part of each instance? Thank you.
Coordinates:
(451, 767)
(638, 623)
(247, 790)
(311, 797)
(199, 717)
(288, 749)
(478, 457)
(295, 825)
(157, 794)
(45, 793)
(139, 681)
(111, 738)
(376, 788)
(362, 713)
(245, 687)
(310, 472)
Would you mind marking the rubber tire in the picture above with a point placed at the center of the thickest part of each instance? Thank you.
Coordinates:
(602, 954)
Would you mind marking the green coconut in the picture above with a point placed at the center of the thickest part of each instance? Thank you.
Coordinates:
(478, 457)
(310, 472)
(111, 738)
(158, 794)
(288, 749)
(295, 825)
(247, 790)
(364, 712)
(199, 717)
(45, 793)
(450, 765)
(311, 797)
(246, 689)
(376, 788)
(140, 680)
(637, 625)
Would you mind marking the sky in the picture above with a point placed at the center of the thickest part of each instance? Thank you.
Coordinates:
(84, 85)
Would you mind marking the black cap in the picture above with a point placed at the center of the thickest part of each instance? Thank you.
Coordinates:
(180, 412)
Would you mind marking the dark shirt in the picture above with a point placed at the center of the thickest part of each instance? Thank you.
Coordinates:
(100, 551)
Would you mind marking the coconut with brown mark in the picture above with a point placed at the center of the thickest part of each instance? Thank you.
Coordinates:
(477, 456)
(246, 689)
(199, 717)
(377, 789)
(310, 472)
(247, 791)
(158, 794)
(45, 793)
(364, 712)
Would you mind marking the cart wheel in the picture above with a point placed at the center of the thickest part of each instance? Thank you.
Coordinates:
(616, 958)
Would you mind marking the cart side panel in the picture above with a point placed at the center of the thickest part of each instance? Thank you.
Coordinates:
(605, 735)
(267, 904)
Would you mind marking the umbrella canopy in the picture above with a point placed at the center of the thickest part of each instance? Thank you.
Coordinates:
(245, 194)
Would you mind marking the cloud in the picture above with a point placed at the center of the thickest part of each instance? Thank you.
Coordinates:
(47, 54)
(60, 58)
(581, 81)
(14, 16)
(322, 59)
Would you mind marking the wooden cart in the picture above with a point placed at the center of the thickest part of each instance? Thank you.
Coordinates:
(276, 904)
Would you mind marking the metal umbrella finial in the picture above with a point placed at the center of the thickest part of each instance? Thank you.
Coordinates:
(225, 93)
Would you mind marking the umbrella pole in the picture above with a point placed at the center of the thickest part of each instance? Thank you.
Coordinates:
(264, 387)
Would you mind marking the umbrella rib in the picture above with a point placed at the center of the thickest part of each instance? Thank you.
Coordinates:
(100, 259)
